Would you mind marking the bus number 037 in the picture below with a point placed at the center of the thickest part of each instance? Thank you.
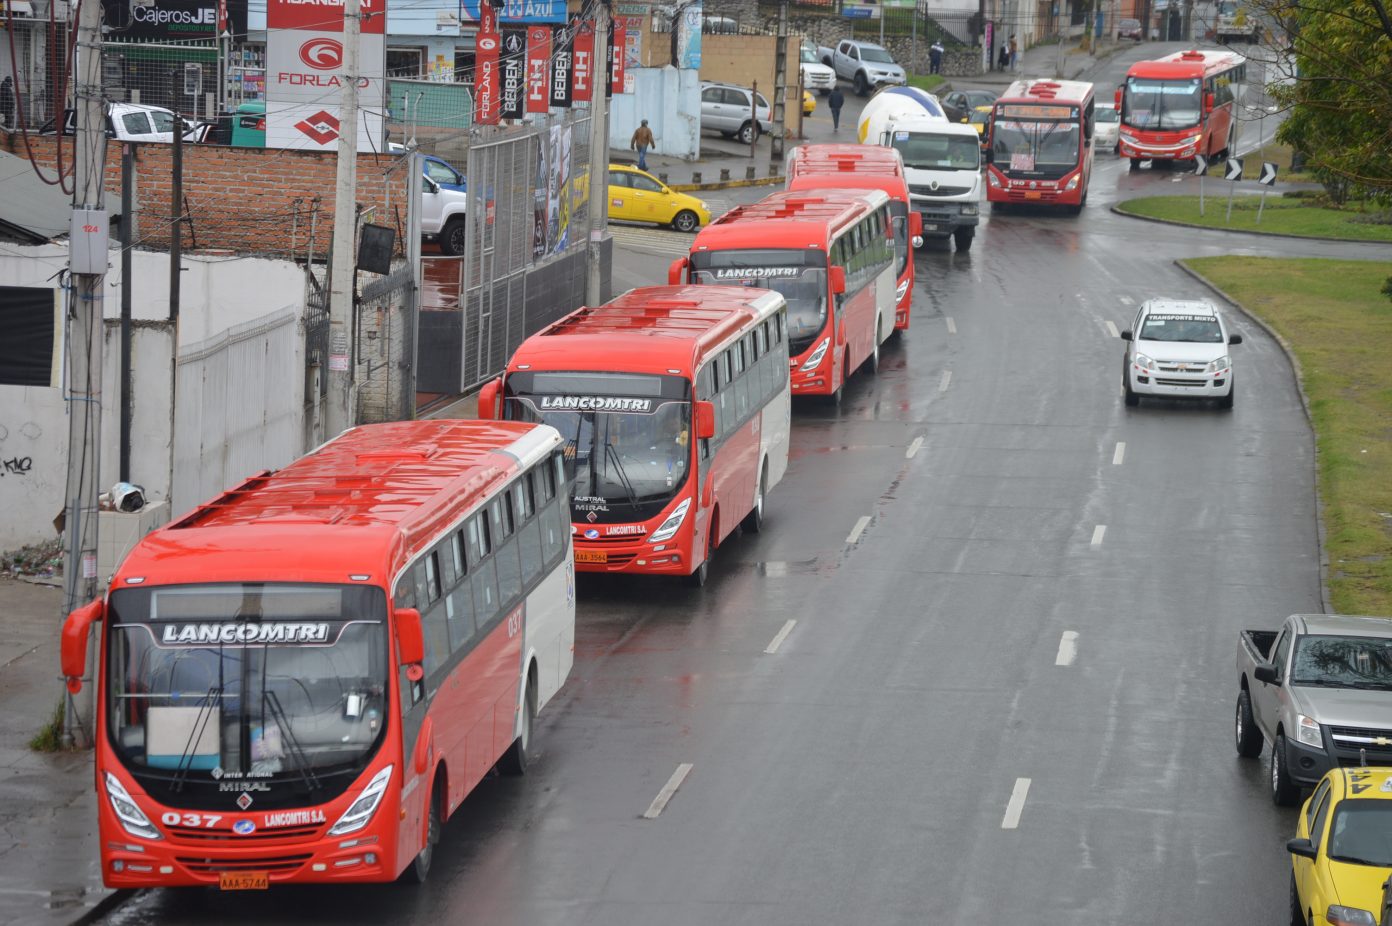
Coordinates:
(205, 820)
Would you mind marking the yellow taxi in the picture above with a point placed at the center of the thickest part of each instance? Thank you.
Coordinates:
(809, 103)
(638, 196)
(1342, 850)
(980, 118)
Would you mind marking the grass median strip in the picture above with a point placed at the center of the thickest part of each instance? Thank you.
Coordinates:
(1280, 217)
(1339, 325)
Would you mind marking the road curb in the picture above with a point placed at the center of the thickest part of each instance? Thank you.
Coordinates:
(723, 184)
(1304, 403)
(101, 908)
(1116, 208)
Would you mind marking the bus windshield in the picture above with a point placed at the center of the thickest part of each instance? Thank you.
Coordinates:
(799, 275)
(1162, 104)
(628, 436)
(926, 151)
(1048, 149)
(284, 686)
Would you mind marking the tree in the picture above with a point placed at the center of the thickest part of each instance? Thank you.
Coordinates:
(1339, 98)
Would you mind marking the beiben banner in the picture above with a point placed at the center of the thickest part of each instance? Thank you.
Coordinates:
(304, 72)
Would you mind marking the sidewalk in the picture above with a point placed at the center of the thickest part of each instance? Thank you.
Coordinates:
(49, 868)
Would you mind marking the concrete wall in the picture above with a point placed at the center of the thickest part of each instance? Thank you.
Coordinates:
(746, 59)
(670, 99)
(217, 294)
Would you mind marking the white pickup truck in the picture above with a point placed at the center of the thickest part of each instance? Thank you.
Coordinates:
(443, 216)
(864, 64)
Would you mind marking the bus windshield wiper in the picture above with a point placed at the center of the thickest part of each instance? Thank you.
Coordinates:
(287, 732)
(613, 455)
(200, 723)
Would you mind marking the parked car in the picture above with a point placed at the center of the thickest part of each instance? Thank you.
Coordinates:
(1106, 132)
(1178, 350)
(1319, 690)
(958, 104)
(809, 103)
(729, 110)
(866, 65)
(244, 128)
(1342, 851)
(638, 196)
(444, 173)
(1130, 29)
(815, 75)
(980, 119)
(443, 217)
(132, 122)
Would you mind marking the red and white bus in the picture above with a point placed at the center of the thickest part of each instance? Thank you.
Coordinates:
(831, 254)
(1041, 144)
(1181, 105)
(628, 384)
(301, 679)
(867, 167)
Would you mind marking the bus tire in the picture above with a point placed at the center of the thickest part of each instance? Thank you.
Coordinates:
(519, 755)
(701, 573)
(419, 869)
(962, 237)
(872, 363)
(1135, 164)
(754, 521)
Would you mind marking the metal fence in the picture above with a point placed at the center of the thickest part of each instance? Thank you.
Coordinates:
(184, 77)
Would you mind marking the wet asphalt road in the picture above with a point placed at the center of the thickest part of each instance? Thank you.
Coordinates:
(939, 536)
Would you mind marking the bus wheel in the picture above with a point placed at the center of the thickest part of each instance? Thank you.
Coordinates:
(872, 363)
(702, 573)
(1135, 164)
(419, 869)
(754, 521)
(519, 754)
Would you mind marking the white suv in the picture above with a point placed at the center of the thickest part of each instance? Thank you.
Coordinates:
(1178, 350)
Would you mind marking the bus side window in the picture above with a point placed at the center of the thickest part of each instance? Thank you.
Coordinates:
(554, 525)
(459, 609)
(418, 578)
(405, 591)
(485, 586)
(457, 554)
(740, 381)
(432, 577)
(509, 565)
(705, 391)
(529, 537)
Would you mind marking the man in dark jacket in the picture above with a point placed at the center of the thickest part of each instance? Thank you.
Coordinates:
(834, 102)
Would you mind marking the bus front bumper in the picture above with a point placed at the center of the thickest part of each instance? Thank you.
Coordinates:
(1133, 148)
(132, 863)
(638, 556)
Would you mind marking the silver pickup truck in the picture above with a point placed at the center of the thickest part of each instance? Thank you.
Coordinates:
(1320, 691)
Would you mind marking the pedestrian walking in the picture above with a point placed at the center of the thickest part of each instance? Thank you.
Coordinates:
(1003, 59)
(834, 102)
(641, 141)
(1014, 54)
(935, 53)
(7, 103)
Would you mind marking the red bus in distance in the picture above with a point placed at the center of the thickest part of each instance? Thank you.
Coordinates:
(1041, 144)
(830, 253)
(1181, 105)
(867, 167)
(300, 680)
(674, 407)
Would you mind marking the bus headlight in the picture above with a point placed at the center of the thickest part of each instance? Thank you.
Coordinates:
(1220, 364)
(361, 810)
(817, 355)
(992, 179)
(900, 290)
(667, 528)
(130, 815)
(1073, 184)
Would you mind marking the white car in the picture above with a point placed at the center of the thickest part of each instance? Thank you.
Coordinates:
(1178, 350)
(815, 75)
(1106, 132)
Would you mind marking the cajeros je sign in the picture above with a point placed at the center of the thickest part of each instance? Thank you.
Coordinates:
(173, 19)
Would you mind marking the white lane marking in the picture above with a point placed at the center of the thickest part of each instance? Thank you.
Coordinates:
(856, 531)
(1112, 329)
(946, 378)
(1068, 648)
(669, 789)
(1119, 454)
(776, 570)
(914, 446)
(1127, 300)
(1097, 533)
(780, 637)
(951, 325)
(1016, 805)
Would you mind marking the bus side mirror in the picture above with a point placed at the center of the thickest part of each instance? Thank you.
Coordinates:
(1207, 102)
(838, 281)
(488, 399)
(915, 224)
(988, 155)
(676, 273)
(410, 639)
(705, 420)
(1118, 99)
(73, 653)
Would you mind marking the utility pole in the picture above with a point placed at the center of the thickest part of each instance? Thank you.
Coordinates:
(127, 242)
(599, 158)
(87, 256)
(176, 261)
(343, 273)
(780, 89)
(1187, 29)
